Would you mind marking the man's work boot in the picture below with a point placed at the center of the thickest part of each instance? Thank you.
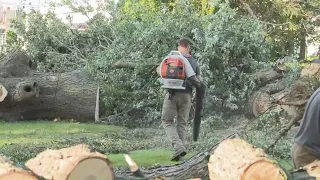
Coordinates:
(179, 152)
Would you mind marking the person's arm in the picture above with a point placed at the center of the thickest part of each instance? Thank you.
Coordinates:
(193, 77)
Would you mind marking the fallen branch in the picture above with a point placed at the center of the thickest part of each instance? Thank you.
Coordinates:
(248, 9)
(131, 65)
(298, 103)
(284, 131)
(134, 168)
(194, 167)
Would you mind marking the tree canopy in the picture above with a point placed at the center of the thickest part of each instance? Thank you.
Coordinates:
(231, 39)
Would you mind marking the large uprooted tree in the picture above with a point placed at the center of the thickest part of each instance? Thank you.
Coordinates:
(28, 95)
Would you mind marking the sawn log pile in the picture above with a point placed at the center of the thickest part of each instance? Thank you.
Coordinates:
(231, 159)
(272, 92)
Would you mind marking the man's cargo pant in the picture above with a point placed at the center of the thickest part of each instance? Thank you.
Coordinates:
(301, 156)
(179, 104)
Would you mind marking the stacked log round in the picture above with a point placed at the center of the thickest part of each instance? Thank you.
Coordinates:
(235, 159)
(73, 163)
(8, 171)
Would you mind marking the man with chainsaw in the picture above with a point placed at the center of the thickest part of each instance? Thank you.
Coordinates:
(179, 71)
(306, 146)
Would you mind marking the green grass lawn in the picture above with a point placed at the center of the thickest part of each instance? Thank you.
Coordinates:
(148, 147)
(42, 131)
(23, 140)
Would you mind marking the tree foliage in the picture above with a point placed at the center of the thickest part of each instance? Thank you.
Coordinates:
(228, 44)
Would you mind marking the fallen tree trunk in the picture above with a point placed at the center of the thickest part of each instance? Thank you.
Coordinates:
(195, 167)
(70, 95)
(8, 171)
(73, 163)
(67, 95)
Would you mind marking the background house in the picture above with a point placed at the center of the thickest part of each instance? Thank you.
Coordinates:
(7, 13)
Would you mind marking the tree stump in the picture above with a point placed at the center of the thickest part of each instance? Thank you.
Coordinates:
(73, 163)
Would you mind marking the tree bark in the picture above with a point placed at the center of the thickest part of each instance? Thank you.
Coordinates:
(9, 171)
(70, 95)
(303, 43)
(73, 163)
(265, 77)
(16, 64)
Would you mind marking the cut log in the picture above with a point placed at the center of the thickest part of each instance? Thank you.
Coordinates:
(265, 77)
(266, 97)
(311, 70)
(73, 163)
(259, 103)
(235, 159)
(3, 93)
(8, 171)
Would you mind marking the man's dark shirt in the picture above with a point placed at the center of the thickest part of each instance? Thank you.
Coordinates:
(309, 132)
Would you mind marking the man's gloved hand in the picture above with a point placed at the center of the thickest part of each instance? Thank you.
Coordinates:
(198, 84)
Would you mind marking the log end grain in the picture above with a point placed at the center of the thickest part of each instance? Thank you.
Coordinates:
(72, 163)
(3, 93)
(235, 159)
(92, 168)
(263, 169)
